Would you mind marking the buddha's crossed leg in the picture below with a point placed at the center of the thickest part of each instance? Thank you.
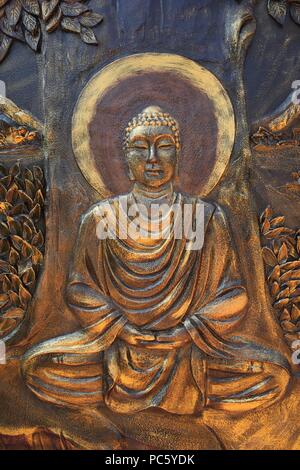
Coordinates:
(242, 386)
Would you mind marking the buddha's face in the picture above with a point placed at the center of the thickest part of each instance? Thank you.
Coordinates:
(152, 155)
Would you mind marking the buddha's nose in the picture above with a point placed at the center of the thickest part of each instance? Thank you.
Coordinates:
(152, 157)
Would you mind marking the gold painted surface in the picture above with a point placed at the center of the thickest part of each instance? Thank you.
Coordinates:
(183, 69)
(160, 320)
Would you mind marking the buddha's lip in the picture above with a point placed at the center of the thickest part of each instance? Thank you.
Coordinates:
(153, 170)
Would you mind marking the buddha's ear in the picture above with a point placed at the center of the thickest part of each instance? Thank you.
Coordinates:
(176, 175)
(130, 175)
(129, 172)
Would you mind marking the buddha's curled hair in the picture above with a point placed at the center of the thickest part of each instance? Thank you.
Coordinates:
(153, 116)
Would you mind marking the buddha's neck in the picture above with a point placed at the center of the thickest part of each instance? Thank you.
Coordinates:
(148, 195)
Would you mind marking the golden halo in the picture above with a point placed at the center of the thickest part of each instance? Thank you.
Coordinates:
(113, 74)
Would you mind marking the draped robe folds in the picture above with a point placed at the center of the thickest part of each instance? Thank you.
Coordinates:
(157, 285)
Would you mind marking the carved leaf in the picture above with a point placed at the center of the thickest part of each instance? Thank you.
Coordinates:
(24, 295)
(283, 254)
(12, 194)
(16, 313)
(4, 231)
(12, 32)
(285, 316)
(278, 10)
(35, 213)
(15, 282)
(38, 239)
(290, 265)
(4, 266)
(275, 289)
(13, 297)
(289, 275)
(17, 209)
(276, 232)
(33, 41)
(29, 188)
(90, 19)
(3, 191)
(269, 257)
(54, 21)
(4, 249)
(13, 12)
(27, 199)
(281, 303)
(29, 277)
(31, 6)
(6, 284)
(26, 249)
(4, 299)
(293, 285)
(39, 198)
(4, 207)
(28, 174)
(48, 8)
(265, 226)
(295, 12)
(6, 181)
(292, 252)
(277, 221)
(15, 169)
(275, 274)
(5, 44)
(30, 22)
(295, 299)
(13, 225)
(37, 257)
(27, 232)
(285, 293)
(88, 36)
(17, 242)
(288, 326)
(71, 24)
(267, 214)
(298, 245)
(38, 173)
(74, 9)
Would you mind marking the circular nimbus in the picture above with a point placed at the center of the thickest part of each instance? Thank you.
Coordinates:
(185, 89)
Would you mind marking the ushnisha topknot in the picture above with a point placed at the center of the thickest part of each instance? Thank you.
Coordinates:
(153, 116)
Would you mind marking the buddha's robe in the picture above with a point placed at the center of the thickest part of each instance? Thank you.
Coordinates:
(156, 286)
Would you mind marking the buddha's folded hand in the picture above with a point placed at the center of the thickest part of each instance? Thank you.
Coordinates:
(169, 339)
(134, 336)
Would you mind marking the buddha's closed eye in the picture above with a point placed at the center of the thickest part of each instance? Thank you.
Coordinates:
(168, 145)
(139, 145)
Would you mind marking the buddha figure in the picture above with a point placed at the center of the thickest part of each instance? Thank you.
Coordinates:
(162, 325)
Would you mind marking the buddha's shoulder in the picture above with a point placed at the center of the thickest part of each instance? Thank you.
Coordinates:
(212, 211)
(209, 207)
(99, 209)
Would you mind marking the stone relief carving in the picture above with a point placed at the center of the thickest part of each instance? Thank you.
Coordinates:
(162, 319)
(27, 21)
(22, 199)
(190, 333)
(279, 10)
(281, 255)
